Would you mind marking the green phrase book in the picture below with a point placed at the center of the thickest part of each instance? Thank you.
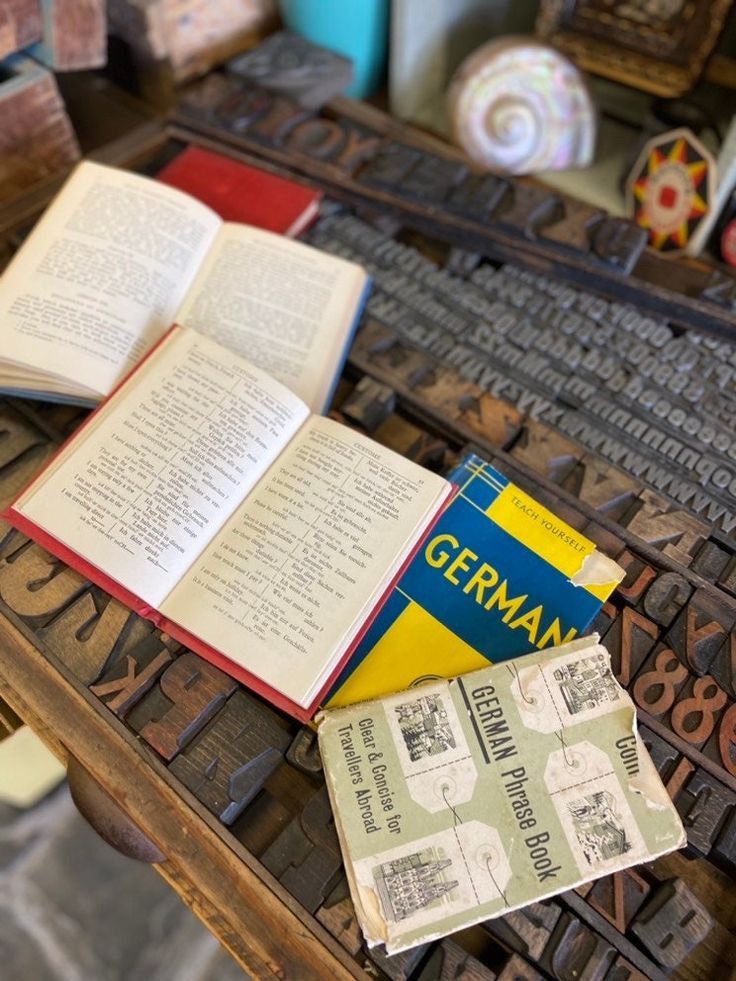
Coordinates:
(460, 800)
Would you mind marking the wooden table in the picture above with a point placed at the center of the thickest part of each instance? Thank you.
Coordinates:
(269, 884)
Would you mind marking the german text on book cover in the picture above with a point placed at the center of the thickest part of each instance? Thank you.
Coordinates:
(460, 800)
(500, 575)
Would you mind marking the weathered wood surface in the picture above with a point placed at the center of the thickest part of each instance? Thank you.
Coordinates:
(172, 41)
(74, 34)
(36, 135)
(20, 25)
(255, 800)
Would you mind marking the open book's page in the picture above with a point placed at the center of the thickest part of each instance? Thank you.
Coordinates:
(164, 463)
(284, 587)
(100, 277)
(285, 306)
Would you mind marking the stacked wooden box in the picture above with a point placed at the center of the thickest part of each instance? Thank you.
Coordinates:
(38, 37)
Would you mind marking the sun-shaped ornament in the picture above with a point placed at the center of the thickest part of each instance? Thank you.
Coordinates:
(670, 188)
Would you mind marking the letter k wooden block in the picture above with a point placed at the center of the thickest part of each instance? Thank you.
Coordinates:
(189, 693)
(228, 763)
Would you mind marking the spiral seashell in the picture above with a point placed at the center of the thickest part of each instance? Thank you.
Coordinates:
(519, 107)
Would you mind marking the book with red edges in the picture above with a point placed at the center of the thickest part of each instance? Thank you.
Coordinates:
(243, 193)
(206, 496)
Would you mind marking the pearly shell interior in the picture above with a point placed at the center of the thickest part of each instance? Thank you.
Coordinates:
(520, 107)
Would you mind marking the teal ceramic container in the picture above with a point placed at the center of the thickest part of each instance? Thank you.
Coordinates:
(357, 29)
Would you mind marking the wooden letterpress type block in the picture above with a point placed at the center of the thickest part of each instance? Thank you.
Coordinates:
(388, 168)
(723, 665)
(478, 196)
(429, 452)
(704, 806)
(17, 435)
(359, 145)
(659, 682)
(273, 125)
(638, 577)
(336, 141)
(727, 578)
(721, 289)
(672, 923)
(133, 673)
(604, 619)
(431, 179)
(305, 857)
(12, 541)
(319, 138)
(517, 969)
(450, 962)
(20, 25)
(623, 971)
(710, 561)
(232, 109)
(724, 847)
(397, 967)
(608, 543)
(90, 631)
(659, 522)
(619, 897)
(666, 596)
(228, 762)
(618, 243)
(700, 631)
(494, 420)
(546, 451)
(526, 931)
(721, 747)
(37, 586)
(370, 403)
(574, 228)
(339, 918)
(36, 136)
(629, 642)
(698, 710)
(528, 208)
(293, 66)
(74, 34)
(189, 693)
(303, 752)
(664, 756)
(680, 775)
(602, 486)
(575, 951)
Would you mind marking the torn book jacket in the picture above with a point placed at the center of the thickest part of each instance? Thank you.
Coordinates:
(461, 800)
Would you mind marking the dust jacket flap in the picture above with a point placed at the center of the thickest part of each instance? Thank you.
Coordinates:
(460, 800)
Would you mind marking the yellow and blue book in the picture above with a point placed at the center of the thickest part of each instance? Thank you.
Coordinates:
(498, 576)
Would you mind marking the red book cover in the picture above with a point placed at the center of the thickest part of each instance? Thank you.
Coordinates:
(242, 193)
(136, 603)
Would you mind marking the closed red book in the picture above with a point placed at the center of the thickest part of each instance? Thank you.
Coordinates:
(243, 193)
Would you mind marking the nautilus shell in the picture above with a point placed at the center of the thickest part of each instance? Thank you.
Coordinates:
(520, 107)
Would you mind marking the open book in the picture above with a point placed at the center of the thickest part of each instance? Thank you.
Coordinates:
(117, 258)
(207, 497)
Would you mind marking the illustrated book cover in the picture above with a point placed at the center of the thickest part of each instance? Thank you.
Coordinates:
(241, 192)
(500, 576)
(461, 800)
(207, 497)
(118, 257)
